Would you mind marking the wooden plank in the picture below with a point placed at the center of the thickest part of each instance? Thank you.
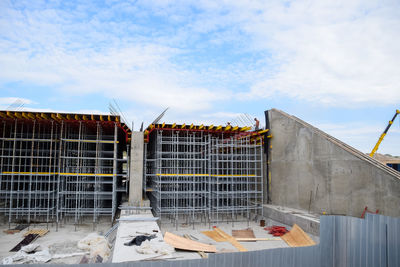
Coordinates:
(17, 229)
(185, 244)
(230, 239)
(201, 253)
(245, 233)
(296, 237)
(243, 239)
(214, 236)
(11, 231)
(40, 232)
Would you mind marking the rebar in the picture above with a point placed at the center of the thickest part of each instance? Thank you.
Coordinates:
(196, 176)
(54, 170)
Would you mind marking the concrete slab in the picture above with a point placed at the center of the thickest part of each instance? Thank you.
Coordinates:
(127, 230)
(307, 221)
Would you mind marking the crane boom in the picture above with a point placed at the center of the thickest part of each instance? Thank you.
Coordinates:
(383, 134)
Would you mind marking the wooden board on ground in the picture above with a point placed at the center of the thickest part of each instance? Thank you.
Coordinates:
(230, 239)
(201, 253)
(214, 236)
(245, 233)
(296, 237)
(241, 239)
(11, 231)
(40, 232)
(26, 241)
(186, 244)
(16, 229)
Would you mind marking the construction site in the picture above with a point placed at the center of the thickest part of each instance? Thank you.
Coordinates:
(85, 189)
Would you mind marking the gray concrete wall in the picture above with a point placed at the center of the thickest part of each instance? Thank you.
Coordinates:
(313, 171)
(136, 169)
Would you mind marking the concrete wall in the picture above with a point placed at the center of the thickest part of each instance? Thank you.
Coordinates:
(313, 171)
(136, 169)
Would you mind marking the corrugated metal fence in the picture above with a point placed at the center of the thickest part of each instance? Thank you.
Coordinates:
(347, 241)
(344, 241)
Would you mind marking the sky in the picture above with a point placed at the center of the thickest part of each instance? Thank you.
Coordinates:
(334, 64)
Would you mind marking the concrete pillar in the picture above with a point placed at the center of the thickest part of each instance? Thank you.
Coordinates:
(136, 169)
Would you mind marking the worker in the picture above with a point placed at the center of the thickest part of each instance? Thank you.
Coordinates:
(228, 124)
(257, 124)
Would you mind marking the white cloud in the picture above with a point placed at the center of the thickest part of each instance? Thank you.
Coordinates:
(45, 50)
(339, 53)
(330, 52)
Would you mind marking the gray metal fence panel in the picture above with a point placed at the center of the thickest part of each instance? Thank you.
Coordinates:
(392, 236)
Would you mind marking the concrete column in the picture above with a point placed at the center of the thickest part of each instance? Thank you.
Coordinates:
(136, 169)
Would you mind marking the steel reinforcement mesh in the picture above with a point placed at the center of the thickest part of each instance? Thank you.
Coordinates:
(54, 170)
(199, 176)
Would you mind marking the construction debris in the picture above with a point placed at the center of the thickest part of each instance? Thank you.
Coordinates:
(296, 237)
(186, 244)
(138, 240)
(33, 253)
(276, 230)
(148, 247)
(96, 245)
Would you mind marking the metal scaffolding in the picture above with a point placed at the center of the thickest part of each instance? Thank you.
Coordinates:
(235, 177)
(52, 170)
(197, 175)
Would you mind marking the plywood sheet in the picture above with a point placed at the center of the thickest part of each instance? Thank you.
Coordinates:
(245, 233)
(186, 244)
(230, 239)
(296, 237)
(214, 236)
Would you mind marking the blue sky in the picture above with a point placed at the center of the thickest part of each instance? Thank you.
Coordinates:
(334, 64)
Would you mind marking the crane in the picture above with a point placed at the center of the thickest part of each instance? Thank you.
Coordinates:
(384, 133)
